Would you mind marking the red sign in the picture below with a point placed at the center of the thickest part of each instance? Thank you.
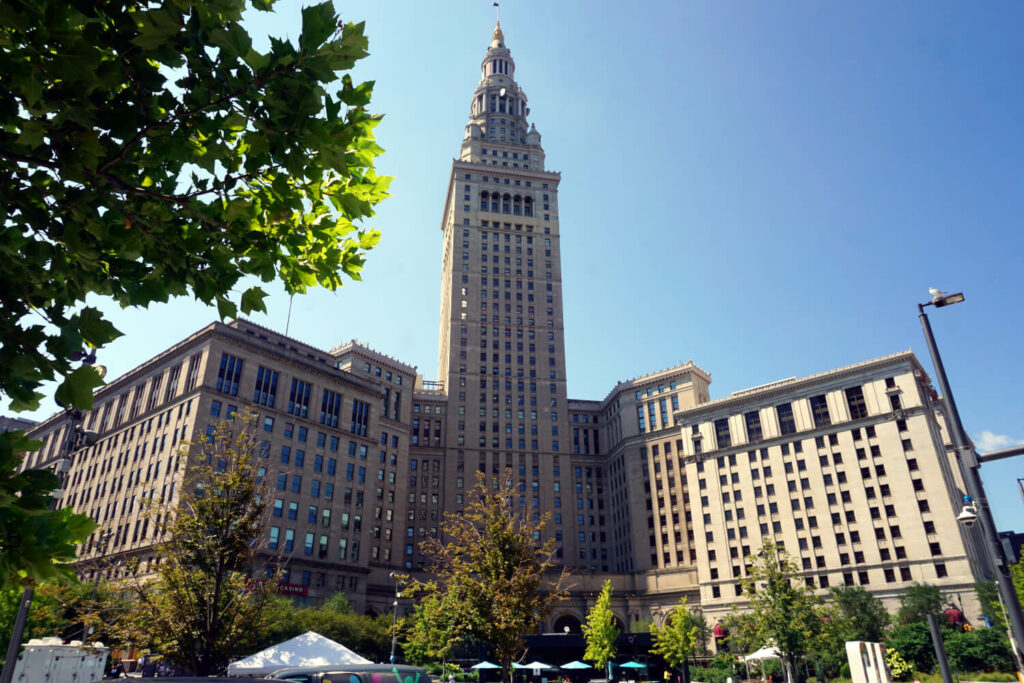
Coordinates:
(292, 589)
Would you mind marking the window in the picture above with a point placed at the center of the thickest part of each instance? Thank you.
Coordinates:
(855, 400)
(298, 399)
(819, 411)
(753, 420)
(787, 425)
(228, 374)
(721, 432)
(360, 417)
(330, 408)
(265, 393)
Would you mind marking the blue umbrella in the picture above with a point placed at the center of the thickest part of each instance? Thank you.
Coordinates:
(632, 665)
(576, 665)
(485, 665)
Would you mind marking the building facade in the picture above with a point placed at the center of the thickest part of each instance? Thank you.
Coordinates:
(655, 487)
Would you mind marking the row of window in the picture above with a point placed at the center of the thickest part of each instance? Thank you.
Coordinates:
(265, 393)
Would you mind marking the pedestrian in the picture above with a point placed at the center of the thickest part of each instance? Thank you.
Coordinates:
(451, 677)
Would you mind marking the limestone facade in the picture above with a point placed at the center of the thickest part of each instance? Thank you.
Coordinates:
(655, 486)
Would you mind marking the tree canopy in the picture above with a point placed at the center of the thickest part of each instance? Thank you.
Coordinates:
(600, 631)
(677, 639)
(862, 616)
(148, 150)
(493, 573)
(917, 601)
(205, 605)
(784, 611)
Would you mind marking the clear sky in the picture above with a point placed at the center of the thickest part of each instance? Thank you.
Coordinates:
(767, 189)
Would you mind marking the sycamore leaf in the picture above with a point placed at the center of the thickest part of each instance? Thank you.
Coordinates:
(318, 23)
(95, 329)
(77, 388)
(252, 300)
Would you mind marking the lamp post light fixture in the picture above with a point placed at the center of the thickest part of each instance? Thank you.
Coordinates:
(394, 617)
(976, 508)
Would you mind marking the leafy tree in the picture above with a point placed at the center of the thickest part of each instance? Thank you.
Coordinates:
(743, 635)
(203, 608)
(677, 639)
(35, 541)
(149, 151)
(784, 611)
(981, 649)
(434, 629)
(862, 615)
(600, 631)
(991, 607)
(918, 601)
(1017, 576)
(914, 643)
(852, 614)
(492, 571)
(703, 632)
(335, 619)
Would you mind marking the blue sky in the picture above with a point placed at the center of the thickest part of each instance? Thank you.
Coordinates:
(767, 189)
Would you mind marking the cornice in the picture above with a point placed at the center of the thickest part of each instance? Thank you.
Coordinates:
(800, 385)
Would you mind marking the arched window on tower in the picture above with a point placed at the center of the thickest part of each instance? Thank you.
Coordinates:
(505, 203)
(483, 200)
(517, 205)
(528, 206)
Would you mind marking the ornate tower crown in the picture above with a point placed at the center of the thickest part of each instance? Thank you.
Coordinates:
(499, 108)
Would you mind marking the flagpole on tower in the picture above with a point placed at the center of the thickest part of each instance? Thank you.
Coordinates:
(498, 11)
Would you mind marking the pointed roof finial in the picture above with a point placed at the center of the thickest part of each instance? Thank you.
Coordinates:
(498, 38)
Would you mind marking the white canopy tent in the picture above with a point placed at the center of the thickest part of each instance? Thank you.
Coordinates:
(766, 652)
(309, 649)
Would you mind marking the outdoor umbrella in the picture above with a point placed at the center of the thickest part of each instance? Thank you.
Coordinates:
(632, 665)
(576, 665)
(537, 666)
(485, 665)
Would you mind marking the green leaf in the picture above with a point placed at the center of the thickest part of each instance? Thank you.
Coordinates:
(252, 300)
(319, 22)
(226, 308)
(96, 330)
(77, 388)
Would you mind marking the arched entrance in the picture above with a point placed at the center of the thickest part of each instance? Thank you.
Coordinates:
(567, 621)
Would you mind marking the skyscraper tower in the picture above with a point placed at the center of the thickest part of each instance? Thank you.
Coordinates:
(502, 352)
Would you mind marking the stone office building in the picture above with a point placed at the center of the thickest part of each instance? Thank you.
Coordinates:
(655, 486)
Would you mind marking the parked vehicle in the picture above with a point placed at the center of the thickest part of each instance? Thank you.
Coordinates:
(194, 679)
(361, 673)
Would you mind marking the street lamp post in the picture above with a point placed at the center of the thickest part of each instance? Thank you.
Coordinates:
(101, 545)
(969, 466)
(394, 619)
